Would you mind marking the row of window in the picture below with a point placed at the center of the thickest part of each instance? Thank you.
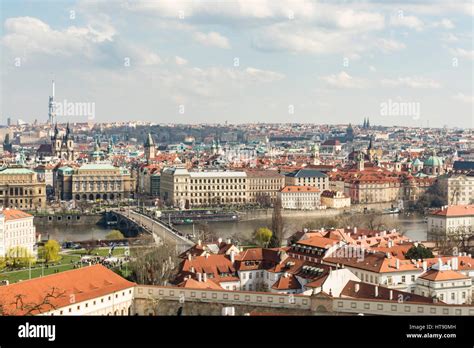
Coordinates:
(19, 191)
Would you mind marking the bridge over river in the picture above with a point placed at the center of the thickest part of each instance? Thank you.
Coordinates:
(132, 220)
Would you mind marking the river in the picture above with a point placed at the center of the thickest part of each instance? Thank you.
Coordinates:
(413, 225)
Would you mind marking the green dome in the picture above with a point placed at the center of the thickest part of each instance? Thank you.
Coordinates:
(434, 161)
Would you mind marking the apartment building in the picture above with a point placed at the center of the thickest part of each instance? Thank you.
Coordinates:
(263, 186)
(300, 197)
(21, 189)
(335, 199)
(452, 219)
(17, 233)
(308, 177)
(94, 181)
(183, 188)
(457, 188)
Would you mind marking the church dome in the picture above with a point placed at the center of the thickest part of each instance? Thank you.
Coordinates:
(433, 161)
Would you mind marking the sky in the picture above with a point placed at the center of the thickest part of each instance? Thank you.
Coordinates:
(241, 61)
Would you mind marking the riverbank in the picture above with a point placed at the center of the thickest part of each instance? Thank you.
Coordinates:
(52, 220)
(256, 214)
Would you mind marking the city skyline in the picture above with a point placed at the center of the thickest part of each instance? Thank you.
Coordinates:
(241, 61)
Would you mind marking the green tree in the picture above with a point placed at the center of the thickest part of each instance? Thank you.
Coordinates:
(262, 236)
(3, 263)
(51, 251)
(19, 257)
(114, 234)
(418, 252)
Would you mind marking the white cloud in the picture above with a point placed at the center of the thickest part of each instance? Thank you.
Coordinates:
(461, 52)
(263, 75)
(28, 36)
(445, 23)
(464, 98)
(412, 82)
(411, 22)
(344, 80)
(449, 37)
(345, 18)
(212, 39)
(390, 45)
(372, 68)
(180, 61)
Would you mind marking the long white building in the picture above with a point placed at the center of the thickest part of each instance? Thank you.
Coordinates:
(92, 290)
(17, 232)
(452, 220)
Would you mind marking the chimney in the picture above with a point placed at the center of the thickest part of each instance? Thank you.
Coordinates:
(389, 255)
(219, 241)
(199, 277)
(390, 243)
(193, 270)
(397, 263)
(455, 264)
(229, 241)
(440, 264)
(425, 266)
(355, 229)
(391, 295)
(357, 287)
(232, 256)
(207, 255)
(204, 277)
(190, 257)
(376, 291)
(199, 242)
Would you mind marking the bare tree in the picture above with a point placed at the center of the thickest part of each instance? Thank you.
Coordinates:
(277, 225)
(45, 304)
(90, 246)
(154, 265)
(264, 200)
(205, 233)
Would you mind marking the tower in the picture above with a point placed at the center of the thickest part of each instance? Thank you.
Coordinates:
(150, 151)
(51, 112)
(7, 145)
(349, 133)
(360, 161)
(56, 141)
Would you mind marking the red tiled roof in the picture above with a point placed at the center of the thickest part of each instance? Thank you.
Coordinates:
(14, 214)
(455, 210)
(367, 291)
(300, 189)
(317, 241)
(81, 284)
(194, 284)
(286, 283)
(436, 275)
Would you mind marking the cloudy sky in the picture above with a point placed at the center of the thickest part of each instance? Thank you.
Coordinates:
(172, 61)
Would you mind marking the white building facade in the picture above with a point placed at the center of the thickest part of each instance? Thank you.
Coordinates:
(17, 233)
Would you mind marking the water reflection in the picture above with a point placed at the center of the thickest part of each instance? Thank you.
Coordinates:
(414, 227)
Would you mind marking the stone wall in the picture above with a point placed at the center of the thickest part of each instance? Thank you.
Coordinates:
(67, 220)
